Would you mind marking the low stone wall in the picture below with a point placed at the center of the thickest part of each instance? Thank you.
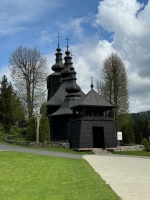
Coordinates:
(9, 139)
(130, 148)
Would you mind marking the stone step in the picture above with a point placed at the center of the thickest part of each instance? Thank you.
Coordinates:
(100, 151)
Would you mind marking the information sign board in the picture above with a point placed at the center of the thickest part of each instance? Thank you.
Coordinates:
(119, 135)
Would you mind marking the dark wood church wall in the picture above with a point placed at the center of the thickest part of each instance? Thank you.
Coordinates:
(59, 128)
(74, 134)
(53, 83)
(52, 109)
(81, 133)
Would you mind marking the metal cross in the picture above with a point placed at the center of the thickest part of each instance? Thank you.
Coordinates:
(58, 36)
(91, 79)
(67, 43)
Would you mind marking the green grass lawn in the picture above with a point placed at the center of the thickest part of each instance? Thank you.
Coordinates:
(13, 131)
(28, 176)
(134, 153)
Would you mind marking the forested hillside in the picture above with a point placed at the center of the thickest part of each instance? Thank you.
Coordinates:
(135, 116)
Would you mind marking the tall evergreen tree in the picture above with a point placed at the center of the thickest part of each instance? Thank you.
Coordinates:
(18, 111)
(115, 81)
(5, 104)
(10, 105)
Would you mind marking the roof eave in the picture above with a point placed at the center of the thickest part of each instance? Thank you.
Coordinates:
(98, 106)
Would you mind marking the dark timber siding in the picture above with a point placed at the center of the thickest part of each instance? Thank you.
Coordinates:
(59, 128)
(81, 132)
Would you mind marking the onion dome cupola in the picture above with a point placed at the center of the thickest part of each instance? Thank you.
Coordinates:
(72, 88)
(54, 79)
(72, 97)
(58, 66)
(66, 71)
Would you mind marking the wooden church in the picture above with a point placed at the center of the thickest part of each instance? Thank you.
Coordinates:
(83, 120)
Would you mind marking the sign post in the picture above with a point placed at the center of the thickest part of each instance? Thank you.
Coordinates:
(119, 138)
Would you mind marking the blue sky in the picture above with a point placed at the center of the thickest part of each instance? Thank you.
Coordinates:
(95, 29)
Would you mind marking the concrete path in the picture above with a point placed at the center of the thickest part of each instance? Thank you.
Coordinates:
(4, 147)
(128, 176)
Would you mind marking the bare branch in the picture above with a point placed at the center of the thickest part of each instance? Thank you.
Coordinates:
(28, 71)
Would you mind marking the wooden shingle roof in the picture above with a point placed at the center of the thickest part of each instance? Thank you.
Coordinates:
(60, 95)
(93, 99)
(65, 107)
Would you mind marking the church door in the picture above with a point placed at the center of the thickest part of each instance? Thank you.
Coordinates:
(98, 137)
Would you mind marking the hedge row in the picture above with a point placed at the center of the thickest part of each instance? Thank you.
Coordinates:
(146, 144)
(44, 130)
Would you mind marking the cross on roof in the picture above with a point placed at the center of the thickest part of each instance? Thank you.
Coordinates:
(58, 36)
(67, 43)
(92, 79)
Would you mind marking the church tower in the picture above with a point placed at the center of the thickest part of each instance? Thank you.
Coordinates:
(61, 119)
(56, 100)
(54, 79)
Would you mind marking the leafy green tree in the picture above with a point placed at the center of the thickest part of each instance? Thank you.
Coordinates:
(138, 133)
(128, 135)
(115, 81)
(141, 128)
(125, 120)
(28, 71)
(126, 124)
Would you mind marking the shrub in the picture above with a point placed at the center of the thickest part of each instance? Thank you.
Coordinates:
(146, 144)
(128, 135)
(31, 130)
(44, 130)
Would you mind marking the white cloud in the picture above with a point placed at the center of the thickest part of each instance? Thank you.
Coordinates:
(45, 36)
(121, 18)
(75, 26)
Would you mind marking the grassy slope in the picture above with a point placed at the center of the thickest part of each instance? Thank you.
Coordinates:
(17, 131)
(27, 176)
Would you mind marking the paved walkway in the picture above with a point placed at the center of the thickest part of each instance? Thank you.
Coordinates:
(4, 147)
(128, 176)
